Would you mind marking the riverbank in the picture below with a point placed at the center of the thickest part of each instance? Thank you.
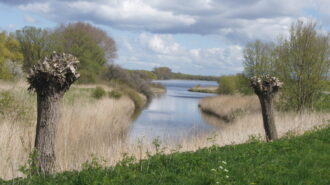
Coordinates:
(291, 160)
(204, 89)
(229, 107)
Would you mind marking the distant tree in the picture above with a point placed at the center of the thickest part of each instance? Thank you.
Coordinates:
(35, 44)
(81, 43)
(232, 84)
(100, 37)
(9, 54)
(163, 73)
(258, 58)
(303, 64)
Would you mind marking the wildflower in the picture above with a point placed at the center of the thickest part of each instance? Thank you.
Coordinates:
(224, 162)
(217, 182)
(220, 167)
(213, 170)
(227, 176)
(225, 170)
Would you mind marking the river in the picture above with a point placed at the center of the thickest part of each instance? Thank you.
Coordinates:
(174, 115)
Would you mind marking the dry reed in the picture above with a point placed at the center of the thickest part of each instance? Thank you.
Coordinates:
(101, 128)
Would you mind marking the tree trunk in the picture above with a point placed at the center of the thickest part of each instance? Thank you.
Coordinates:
(50, 78)
(266, 87)
(48, 115)
(268, 117)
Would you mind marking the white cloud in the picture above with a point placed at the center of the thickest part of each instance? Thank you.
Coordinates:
(235, 22)
(154, 50)
(29, 19)
(37, 7)
(233, 19)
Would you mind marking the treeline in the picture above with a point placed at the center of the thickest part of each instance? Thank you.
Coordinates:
(25, 47)
(300, 60)
(95, 50)
(165, 73)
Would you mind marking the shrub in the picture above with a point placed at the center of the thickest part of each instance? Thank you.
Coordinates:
(227, 85)
(98, 93)
(137, 99)
(234, 84)
(16, 105)
(115, 94)
(132, 79)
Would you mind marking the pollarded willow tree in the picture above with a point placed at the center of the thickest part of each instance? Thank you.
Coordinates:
(50, 79)
(266, 88)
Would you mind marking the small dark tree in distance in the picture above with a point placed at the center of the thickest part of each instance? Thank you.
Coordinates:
(50, 79)
(266, 87)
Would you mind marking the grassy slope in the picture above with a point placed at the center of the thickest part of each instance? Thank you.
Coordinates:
(300, 160)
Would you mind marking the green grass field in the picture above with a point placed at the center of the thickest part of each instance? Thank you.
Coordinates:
(292, 160)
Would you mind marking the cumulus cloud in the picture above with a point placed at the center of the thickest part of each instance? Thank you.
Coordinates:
(234, 22)
(240, 19)
(154, 50)
(30, 19)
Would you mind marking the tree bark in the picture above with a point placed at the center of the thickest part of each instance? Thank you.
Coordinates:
(50, 78)
(48, 116)
(265, 88)
(268, 117)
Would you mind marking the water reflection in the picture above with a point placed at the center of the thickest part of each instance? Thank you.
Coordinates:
(174, 115)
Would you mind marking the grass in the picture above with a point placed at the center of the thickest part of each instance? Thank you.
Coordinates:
(209, 89)
(294, 160)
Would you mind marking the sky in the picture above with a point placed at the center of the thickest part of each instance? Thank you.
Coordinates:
(204, 37)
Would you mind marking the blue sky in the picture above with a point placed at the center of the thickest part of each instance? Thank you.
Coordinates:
(203, 37)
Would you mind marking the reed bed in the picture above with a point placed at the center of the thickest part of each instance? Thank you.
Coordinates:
(86, 127)
(101, 128)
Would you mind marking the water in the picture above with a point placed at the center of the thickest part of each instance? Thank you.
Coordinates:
(174, 115)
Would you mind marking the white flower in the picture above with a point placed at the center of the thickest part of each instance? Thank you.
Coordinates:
(213, 170)
(220, 167)
(227, 176)
(225, 170)
(224, 162)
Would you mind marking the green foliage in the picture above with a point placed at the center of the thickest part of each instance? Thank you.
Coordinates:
(30, 168)
(300, 61)
(303, 65)
(258, 59)
(163, 73)
(144, 74)
(16, 105)
(35, 44)
(94, 163)
(323, 103)
(134, 95)
(80, 44)
(9, 54)
(115, 94)
(193, 77)
(76, 94)
(98, 93)
(234, 84)
(298, 160)
(227, 85)
(128, 80)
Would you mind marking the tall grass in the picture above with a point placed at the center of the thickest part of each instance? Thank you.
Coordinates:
(87, 126)
(101, 127)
